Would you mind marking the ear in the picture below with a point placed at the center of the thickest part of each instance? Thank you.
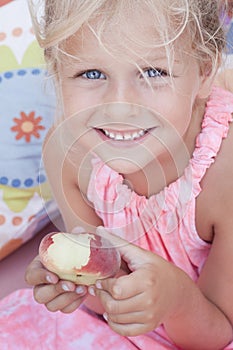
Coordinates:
(205, 87)
(208, 74)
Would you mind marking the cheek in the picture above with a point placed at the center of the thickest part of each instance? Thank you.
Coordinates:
(72, 104)
(175, 114)
(74, 100)
(172, 107)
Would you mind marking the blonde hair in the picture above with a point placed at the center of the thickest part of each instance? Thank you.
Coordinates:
(57, 20)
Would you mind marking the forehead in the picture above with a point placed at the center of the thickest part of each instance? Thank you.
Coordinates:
(139, 36)
(87, 43)
(132, 34)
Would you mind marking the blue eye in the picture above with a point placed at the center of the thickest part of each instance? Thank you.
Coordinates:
(93, 74)
(154, 73)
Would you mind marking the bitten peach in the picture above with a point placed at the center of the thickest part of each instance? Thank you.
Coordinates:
(79, 257)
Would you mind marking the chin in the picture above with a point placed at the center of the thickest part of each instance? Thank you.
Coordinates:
(126, 161)
(126, 166)
(123, 166)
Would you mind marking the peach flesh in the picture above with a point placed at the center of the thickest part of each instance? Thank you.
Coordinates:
(80, 257)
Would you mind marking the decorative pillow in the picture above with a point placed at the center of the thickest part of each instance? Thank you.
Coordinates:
(26, 112)
(228, 22)
(230, 38)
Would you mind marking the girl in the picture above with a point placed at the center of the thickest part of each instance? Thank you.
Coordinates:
(142, 145)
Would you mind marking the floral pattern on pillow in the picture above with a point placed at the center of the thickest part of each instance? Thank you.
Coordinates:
(26, 113)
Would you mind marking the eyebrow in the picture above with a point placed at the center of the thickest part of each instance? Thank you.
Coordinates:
(83, 60)
(158, 58)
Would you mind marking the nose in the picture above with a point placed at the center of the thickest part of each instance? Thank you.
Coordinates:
(120, 90)
(120, 111)
(121, 102)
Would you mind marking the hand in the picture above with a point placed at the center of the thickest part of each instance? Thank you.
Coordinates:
(54, 293)
(139, 302)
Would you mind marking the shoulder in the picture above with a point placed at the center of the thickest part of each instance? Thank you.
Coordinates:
(215, 209)
(215, 203)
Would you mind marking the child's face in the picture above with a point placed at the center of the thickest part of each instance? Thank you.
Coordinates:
(125, 119)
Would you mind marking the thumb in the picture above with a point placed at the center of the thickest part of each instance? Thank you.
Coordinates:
(133, 255)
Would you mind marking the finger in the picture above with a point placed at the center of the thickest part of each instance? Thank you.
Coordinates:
(43, 293)
(123, 287)
(133, 255)
(47, 292)
(148, 318)
(116, 307)
(63, 302)
(65, 286)
(73, 306)
(37, 274)
(129, 330)
(126, 318)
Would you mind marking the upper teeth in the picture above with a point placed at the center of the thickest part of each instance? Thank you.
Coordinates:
(126, 136)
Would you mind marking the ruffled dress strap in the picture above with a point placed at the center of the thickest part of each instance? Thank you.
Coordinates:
(215, 126)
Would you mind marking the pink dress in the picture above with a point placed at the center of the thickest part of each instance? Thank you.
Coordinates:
(163, 223)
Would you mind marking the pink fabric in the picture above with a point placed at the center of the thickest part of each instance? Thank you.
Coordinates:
(26, 325)
(164, 223)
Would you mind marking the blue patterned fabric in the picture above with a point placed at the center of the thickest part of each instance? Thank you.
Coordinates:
(27, 103)
(230, 39)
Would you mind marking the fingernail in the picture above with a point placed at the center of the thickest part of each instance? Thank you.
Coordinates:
(65, 287)
(79, 290)
(91, 291)
(98, 285)
(78, 229)
(49, 279)
(105, 316)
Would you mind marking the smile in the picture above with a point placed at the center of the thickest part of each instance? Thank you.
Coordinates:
(124, 135)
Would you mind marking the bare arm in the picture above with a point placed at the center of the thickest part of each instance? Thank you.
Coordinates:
(202, 321)
(63, 172)
(210, 303)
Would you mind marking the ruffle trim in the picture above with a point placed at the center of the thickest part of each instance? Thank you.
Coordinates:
(215, 126)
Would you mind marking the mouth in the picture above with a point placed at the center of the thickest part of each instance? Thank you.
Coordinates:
(120, 135)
